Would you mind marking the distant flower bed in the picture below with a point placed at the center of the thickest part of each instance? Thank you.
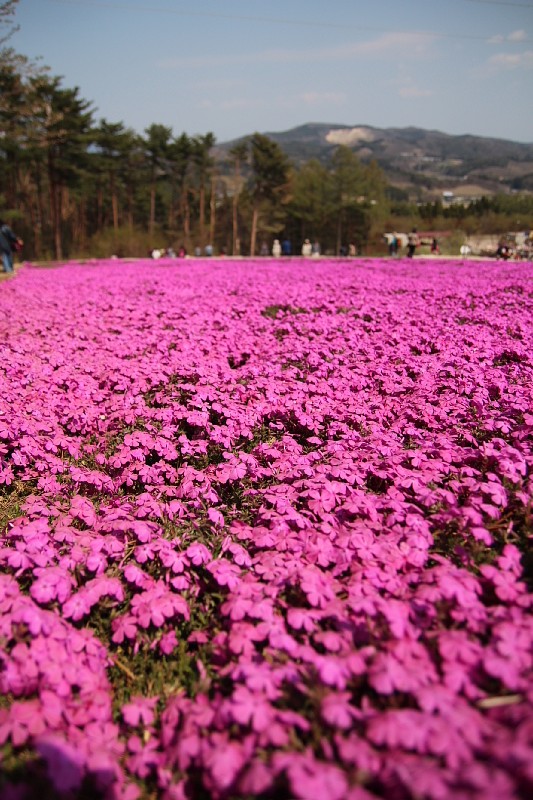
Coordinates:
(265, 528)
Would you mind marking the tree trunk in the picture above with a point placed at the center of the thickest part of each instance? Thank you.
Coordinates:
(10, 185)
(152, 210)
(212, 211)
(187, 223)
(56, 214)
(33, 212)
(55, 209)
(253, 236)
(235, 237)
(339, 235)
(130, 207)
(236, 248)
(99, 210)
(171, 219)
(38, 229)
(114, 203)
(175, 210)
(81, 225)
(202, 217)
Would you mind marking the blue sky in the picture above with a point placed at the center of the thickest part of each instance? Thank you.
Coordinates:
(238, 66)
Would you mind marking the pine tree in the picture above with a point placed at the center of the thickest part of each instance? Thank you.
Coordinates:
(203, 164)
(113, 142)
(157, 145)
(348, 182)
(238, 155)
(61, 130)
(312, 203)
(269, 180)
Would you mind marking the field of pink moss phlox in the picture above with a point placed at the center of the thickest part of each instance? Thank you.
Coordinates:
(266, 530)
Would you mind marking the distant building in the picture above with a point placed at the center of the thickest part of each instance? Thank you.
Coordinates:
(469, 194)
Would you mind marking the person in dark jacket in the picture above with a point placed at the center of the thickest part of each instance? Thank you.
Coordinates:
(412, 243)
(286, 247)
(9, 241)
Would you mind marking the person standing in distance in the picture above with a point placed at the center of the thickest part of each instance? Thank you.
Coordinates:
(412, 243)
(9, 241)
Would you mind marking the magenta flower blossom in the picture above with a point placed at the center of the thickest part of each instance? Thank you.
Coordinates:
(249, 708)
(216, 517)
(168, 643)
(337, 711)
(198, 553)
(224, 761)
(310, 779)
(140, 711)
(225, 573)
(52, 583)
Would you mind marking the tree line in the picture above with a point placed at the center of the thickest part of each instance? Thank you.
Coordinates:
(72, 185)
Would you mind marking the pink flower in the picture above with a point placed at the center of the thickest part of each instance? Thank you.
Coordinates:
(25, 721)
(52, 708)
(336, 710)
(168, 643)
(124, 627)
(225, 573)
(249, 708)
(310, 779)
(78, 606)
(317, 587)
(139, 711)
(52, 583)
(83, 509)
(198, 552)
(257, 779)
(216, 517)
(224, 762)
(143, 759)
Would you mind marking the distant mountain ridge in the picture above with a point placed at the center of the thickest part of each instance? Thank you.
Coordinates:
(420, 163)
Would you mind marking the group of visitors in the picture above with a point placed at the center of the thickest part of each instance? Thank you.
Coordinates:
(412, 241)
(9, 244)
(168, 252)
(349, 250)
(284, 248)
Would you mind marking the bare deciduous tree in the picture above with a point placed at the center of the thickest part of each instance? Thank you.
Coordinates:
(7, 12)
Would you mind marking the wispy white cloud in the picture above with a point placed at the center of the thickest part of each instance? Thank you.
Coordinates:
(407, 86)
(405, 44)
(401, 43)
(414, 91)
(515, 36)
(522, 60)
